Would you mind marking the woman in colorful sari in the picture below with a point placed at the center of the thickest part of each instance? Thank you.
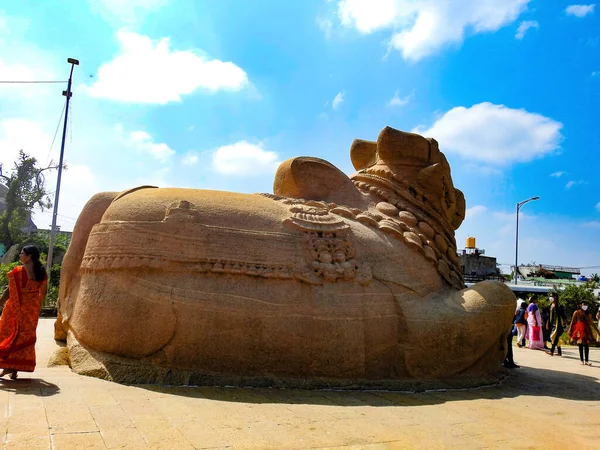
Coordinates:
(23, 297)
(534, 326)
(581, 332)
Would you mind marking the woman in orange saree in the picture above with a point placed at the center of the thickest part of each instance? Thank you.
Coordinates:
(18, 323)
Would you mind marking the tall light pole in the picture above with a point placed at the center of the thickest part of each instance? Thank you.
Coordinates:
(67, 93)
(516, 278)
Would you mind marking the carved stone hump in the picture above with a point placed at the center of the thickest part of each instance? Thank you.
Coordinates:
(132, 190)
(363, 153)
(316, 179)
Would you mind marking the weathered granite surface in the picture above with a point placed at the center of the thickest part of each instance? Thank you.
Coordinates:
(331, 281)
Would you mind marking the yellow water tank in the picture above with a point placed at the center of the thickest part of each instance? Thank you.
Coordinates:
(471, 242)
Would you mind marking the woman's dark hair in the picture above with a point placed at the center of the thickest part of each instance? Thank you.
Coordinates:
(38, 270)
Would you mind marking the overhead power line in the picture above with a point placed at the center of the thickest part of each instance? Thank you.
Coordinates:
(32, 82)
(55, 133)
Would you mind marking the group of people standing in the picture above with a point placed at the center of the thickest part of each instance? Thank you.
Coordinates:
(539, 329)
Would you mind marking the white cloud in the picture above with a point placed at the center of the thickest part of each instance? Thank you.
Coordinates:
(484, 170)
(598, 206)
(397, 101)
(557, 174)
(326, 26)
(495, 133)
(148, 72)
(99, 156)
(593, 224)
(338, 100)
(144, 143)
(78, 181)
(27, 135)
(244, 158)
(524, 26)
(21, 72)
(572, 183)
(78, 184)
(423, 27)
(190, 159)
(367, 17)
(473, 211)
(128, 11)
(13, 26)
(579, 10)
(596, 73)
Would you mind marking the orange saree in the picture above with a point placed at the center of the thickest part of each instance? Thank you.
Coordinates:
(19, 320)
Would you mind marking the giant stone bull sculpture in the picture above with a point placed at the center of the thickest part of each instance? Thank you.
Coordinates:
(330, 281)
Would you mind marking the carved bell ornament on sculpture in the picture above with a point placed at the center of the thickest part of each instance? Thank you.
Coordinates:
(329, 281)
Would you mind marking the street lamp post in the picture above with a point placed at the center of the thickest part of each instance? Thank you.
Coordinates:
(68, 94)
(516, 277)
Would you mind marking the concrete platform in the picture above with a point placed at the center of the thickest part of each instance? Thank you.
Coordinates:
(550, 402)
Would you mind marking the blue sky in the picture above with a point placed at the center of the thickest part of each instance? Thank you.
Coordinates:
(214, 94)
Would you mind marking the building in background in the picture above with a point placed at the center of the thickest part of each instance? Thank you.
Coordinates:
(549, 272)
(475, 265)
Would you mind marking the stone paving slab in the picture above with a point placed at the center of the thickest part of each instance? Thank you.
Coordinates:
(550, 402)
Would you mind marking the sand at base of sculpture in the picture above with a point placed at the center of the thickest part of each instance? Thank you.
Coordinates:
(330, 281)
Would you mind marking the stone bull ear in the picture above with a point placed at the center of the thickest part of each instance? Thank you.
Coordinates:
(363, 153)
(431, 179)
(315, 179)
(399, 147)
(461, 206)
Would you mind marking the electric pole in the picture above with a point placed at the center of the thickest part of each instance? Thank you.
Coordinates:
(68, 94)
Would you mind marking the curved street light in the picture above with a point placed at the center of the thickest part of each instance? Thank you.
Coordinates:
(519, 204)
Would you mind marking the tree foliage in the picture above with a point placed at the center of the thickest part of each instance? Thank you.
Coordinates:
(573, 295)
(4, 269)
(41, 239)
(26, 190)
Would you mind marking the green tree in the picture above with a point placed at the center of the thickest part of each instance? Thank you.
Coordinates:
(595, 280)
(41, 239)
(26, 190)
(4, 269)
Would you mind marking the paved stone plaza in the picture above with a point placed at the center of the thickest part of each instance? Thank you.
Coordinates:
(551, 402)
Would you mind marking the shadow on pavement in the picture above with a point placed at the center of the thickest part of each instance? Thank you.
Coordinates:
(29, 386)
(526, 381)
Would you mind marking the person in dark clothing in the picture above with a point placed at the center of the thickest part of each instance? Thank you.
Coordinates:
(545, 328)
(509, 362)
(556, 324)
(521, 323)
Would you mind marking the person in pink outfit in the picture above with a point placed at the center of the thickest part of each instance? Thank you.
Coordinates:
(534, 326)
